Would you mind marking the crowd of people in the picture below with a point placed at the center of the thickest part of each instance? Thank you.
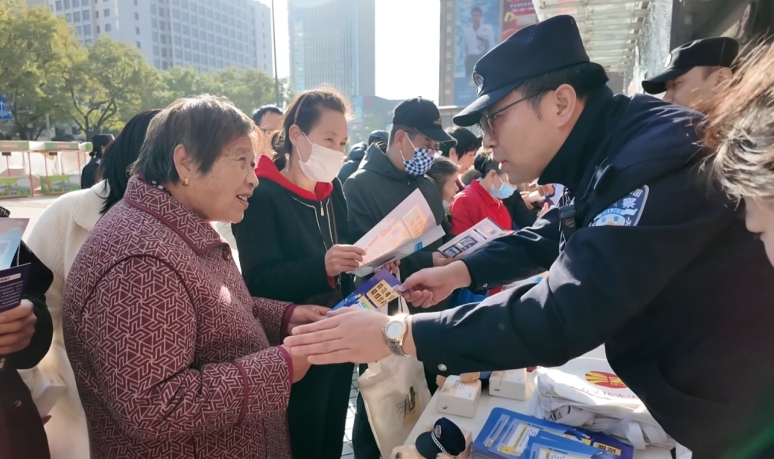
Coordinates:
(635, 206)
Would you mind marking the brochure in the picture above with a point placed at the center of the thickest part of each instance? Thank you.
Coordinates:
(474, 239)
(407, 229)
(374, 293)
(507, 434)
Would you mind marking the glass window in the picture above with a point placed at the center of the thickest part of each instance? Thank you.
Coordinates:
(67, 4)
(196, 46)
(97, 29)
(138, 45)
(86, 15)
(176, 2)
(155, 50)
(106, 13)
(96, 15)
(178, 41)
(76, 3)
(187, 43)
(155, 36)
(175, 14)
(155, 23)
(176, 27)
(187, 55)
(78, 31)
(77, 16)
(136, 16)
(186, 30)
(108, 27)
(179, 53)
(202, 22)
(137, 31)
(87, 29)
(153, 8)
(59, 5)
(156, 63)
(135, 2)
(68, 17)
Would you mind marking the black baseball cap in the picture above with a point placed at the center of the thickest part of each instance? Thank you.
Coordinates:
(532, 51)
(708, 52)
(422, 115)
(446, 437)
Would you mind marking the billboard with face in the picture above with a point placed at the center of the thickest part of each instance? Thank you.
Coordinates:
(477, 30)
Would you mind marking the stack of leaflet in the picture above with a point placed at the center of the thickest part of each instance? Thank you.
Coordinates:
(586, 393)
(508, 434)
(375, 293)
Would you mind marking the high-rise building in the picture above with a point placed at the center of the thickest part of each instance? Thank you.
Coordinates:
(332, 42)
(204, 34)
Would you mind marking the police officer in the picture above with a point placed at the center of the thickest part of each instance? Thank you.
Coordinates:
(642, 256)
(695, 72)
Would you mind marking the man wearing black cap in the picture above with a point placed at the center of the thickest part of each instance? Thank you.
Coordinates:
(641, 255)
(384, 179)
(695, 72)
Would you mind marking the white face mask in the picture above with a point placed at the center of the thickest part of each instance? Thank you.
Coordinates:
(323, 164)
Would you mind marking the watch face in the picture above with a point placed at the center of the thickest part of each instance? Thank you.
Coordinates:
(394, 330)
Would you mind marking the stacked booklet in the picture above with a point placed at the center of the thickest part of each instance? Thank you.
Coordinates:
(508, 434)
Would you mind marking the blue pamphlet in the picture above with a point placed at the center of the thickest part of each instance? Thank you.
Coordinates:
(507, 434)
(374, 293)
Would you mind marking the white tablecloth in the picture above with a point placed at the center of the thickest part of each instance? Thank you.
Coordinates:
(487, 403)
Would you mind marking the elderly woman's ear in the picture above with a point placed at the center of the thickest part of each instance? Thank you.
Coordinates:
(184, 163)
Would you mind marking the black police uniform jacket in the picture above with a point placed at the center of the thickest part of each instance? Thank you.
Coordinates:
(659, 268)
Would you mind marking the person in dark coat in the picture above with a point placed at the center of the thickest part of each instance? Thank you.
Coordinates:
(89, 174)
(642, 256)
(356, 155)
(293, 246)
(25, 336)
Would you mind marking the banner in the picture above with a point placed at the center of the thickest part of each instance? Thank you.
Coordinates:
(477, 30)
(517, 14)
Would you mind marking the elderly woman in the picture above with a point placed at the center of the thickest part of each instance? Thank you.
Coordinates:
(172, 356)
(57, 238)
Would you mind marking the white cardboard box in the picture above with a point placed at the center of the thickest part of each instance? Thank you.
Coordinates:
(509, 384)
(458, 398)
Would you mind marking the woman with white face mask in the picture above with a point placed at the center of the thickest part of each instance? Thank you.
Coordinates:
(293, 247)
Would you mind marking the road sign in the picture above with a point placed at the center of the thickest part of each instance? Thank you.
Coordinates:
(5, 112)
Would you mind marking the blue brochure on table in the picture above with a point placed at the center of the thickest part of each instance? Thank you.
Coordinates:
(374, 293)
(507, 434)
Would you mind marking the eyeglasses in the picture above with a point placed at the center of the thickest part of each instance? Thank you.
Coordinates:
(486, 124)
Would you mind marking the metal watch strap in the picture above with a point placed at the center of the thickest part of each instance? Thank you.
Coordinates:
(396, 348)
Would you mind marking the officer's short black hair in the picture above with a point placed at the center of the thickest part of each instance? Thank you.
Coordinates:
(258, 115)
(584, 78)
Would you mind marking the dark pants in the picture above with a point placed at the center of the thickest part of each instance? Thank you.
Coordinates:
(317, 412)
(363, 441)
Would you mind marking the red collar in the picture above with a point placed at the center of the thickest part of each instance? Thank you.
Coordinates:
(490, 200)
(267, 170)
(194, 230)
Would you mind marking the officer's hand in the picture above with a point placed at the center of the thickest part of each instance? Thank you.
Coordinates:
(431, 286)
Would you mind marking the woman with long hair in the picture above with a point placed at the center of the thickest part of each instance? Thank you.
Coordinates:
(293, 246)
(56, 239)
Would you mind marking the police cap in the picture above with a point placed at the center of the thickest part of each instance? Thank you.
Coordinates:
(532, 51)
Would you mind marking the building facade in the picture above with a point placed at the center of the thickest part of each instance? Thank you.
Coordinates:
(332, 43)
(203, 34)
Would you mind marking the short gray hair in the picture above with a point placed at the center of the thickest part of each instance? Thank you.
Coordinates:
(203, 124)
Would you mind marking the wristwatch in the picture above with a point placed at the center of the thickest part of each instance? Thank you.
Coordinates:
(394, 332)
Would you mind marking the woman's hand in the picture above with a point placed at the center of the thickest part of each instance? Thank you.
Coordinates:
(300, 364)
(393, 267)
(17, 326)
(306, 314)
(342, 258)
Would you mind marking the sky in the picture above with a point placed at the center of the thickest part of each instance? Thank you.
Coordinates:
(407, 47)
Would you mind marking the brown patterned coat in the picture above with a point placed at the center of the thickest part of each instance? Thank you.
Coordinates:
(170, 352)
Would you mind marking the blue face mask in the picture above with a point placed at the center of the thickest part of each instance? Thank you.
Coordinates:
(504, 192)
